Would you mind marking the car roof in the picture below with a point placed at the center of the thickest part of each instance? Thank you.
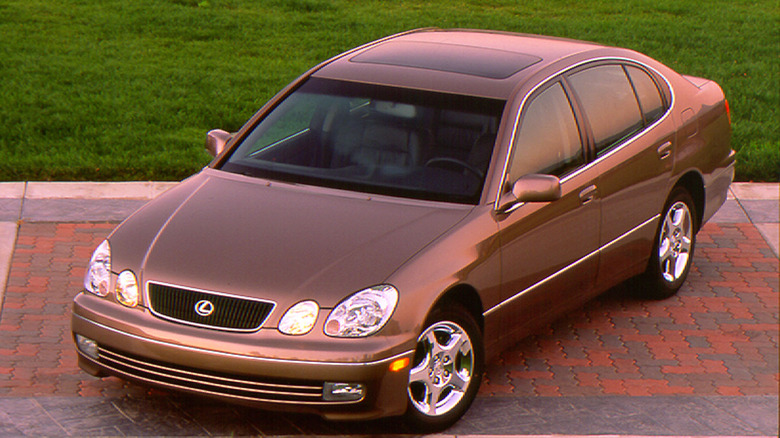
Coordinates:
(473, 62)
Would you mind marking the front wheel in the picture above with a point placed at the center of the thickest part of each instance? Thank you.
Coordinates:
(673, 249)
(446, 371)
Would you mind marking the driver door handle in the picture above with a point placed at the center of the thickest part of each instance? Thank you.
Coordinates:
(588, 194)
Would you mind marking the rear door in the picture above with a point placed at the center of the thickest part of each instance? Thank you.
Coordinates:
(624, 107)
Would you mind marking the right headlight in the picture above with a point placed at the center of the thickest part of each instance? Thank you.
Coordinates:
(362, 313)
(98, 274)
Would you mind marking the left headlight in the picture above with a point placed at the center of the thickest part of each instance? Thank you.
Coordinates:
(300, 318)
(362, 313)
(127, 289)
(98, 275)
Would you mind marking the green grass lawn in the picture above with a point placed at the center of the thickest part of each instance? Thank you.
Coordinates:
(127, 89)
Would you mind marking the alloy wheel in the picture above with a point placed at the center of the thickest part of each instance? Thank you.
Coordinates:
(443, 368)
(675, 242)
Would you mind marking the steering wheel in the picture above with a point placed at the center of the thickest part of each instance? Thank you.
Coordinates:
(462, 164)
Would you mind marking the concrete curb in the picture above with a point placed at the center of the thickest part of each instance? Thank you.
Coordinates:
(7, 240)
(84, 190)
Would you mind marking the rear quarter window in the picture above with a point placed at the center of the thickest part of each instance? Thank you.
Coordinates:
(650, 101)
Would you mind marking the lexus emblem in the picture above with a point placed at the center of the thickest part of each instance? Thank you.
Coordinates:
(204, 308)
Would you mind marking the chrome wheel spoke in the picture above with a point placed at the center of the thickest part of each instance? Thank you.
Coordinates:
(669, 224)
(436, 347)
(420, 374)
(677, 216)
(453, 346)
(432, 395)
(685, 244)
(667, 270)
(459, 382)
(679, 265)
(664, 249)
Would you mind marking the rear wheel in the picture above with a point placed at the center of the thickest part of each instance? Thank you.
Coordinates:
(673, 248)
(446, 371)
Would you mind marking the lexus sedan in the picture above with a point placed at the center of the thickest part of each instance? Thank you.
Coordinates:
(401, 213)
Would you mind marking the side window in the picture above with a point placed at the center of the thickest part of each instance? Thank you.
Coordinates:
(647, 92)
(609, 103)
(548, 140)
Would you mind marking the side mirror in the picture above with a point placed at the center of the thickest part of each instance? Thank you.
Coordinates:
(216, 140)
(531, 188)
(537, 188)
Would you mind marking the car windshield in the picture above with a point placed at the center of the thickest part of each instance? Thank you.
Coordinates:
(374, 139)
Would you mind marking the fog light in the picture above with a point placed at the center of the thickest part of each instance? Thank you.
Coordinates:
(342, 391)
(87, 346)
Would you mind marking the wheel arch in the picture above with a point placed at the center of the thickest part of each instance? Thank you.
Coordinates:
(466, 296)
(693, 183)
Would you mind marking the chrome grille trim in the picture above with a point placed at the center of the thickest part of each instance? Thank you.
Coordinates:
(204, 382)
(177, 303)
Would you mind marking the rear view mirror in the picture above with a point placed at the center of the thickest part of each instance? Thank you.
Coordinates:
(216, 140)
(530, 188)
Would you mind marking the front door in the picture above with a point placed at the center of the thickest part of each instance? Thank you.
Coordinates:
(549, 250)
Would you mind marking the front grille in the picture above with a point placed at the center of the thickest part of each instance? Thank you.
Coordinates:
(211, 383)
(227, 312)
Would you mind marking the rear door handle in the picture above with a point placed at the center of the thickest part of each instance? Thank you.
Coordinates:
(588, 194)
(665, 150)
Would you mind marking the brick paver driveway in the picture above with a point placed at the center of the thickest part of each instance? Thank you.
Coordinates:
(711, 348)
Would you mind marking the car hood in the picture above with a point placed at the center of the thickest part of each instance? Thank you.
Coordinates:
(249, 237)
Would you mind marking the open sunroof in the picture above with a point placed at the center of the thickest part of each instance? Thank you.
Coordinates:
(453, 58)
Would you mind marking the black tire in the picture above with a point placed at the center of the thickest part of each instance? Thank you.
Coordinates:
(445, 377)
(675, 241)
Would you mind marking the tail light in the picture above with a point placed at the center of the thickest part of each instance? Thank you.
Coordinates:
(728, 110)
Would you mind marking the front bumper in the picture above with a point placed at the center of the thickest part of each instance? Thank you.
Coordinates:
(135, 345)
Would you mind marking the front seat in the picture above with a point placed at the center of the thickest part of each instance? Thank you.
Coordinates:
(387, 136)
